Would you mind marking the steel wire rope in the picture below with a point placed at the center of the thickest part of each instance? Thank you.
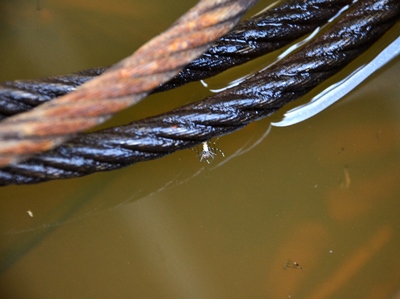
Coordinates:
(122, 85)
(250, 39)
(185, 127)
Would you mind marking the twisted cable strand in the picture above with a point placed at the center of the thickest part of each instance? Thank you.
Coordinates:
(259, 35)
(121, 86)
(225, 112)
(23, 95)
(252, 38)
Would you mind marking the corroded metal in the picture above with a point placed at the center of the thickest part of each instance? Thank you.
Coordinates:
(252, 38)
(121, 86)
(188, 126)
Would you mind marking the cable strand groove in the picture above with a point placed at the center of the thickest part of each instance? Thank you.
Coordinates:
(187, 126)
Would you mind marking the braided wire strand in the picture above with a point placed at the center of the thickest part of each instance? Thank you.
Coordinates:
(252, 38)
(23, 95)
(122, 85)
(185, 127)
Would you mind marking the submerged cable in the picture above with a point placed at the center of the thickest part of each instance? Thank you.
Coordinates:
(220, 114)
(256, 36)
(121, 86)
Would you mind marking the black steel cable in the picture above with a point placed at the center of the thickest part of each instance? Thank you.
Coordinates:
(259, 35)
(22, 95)
(254, 37)
(122, 85)
(225, 112)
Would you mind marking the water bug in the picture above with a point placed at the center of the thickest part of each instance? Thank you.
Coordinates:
(208, 152)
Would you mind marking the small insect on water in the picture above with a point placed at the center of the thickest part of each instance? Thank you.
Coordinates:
(294, 265)
(208, 152)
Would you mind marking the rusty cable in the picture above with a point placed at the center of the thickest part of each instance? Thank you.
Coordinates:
(252, 38)
(185, 127)
(122, 85)
(23, 95)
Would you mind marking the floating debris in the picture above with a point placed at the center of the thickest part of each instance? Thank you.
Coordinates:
(294, 265)
(347, 179)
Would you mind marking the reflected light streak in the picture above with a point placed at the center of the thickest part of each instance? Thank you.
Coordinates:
(309, 37)
(337, 91)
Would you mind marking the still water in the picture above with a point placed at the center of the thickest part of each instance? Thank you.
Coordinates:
(306, 211)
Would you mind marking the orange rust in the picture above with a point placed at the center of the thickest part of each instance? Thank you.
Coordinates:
(6, 160)
(70, 126)
(25, 147)
(38, 129)
(131, 79)
(86, 109)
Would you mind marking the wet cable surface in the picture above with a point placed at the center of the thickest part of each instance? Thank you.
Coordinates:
(225, 112)
(252, 38)
(122, 85)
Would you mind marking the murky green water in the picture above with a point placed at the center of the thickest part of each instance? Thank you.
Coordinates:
(323, 194)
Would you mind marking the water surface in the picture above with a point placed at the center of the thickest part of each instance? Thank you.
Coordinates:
(306, 211)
